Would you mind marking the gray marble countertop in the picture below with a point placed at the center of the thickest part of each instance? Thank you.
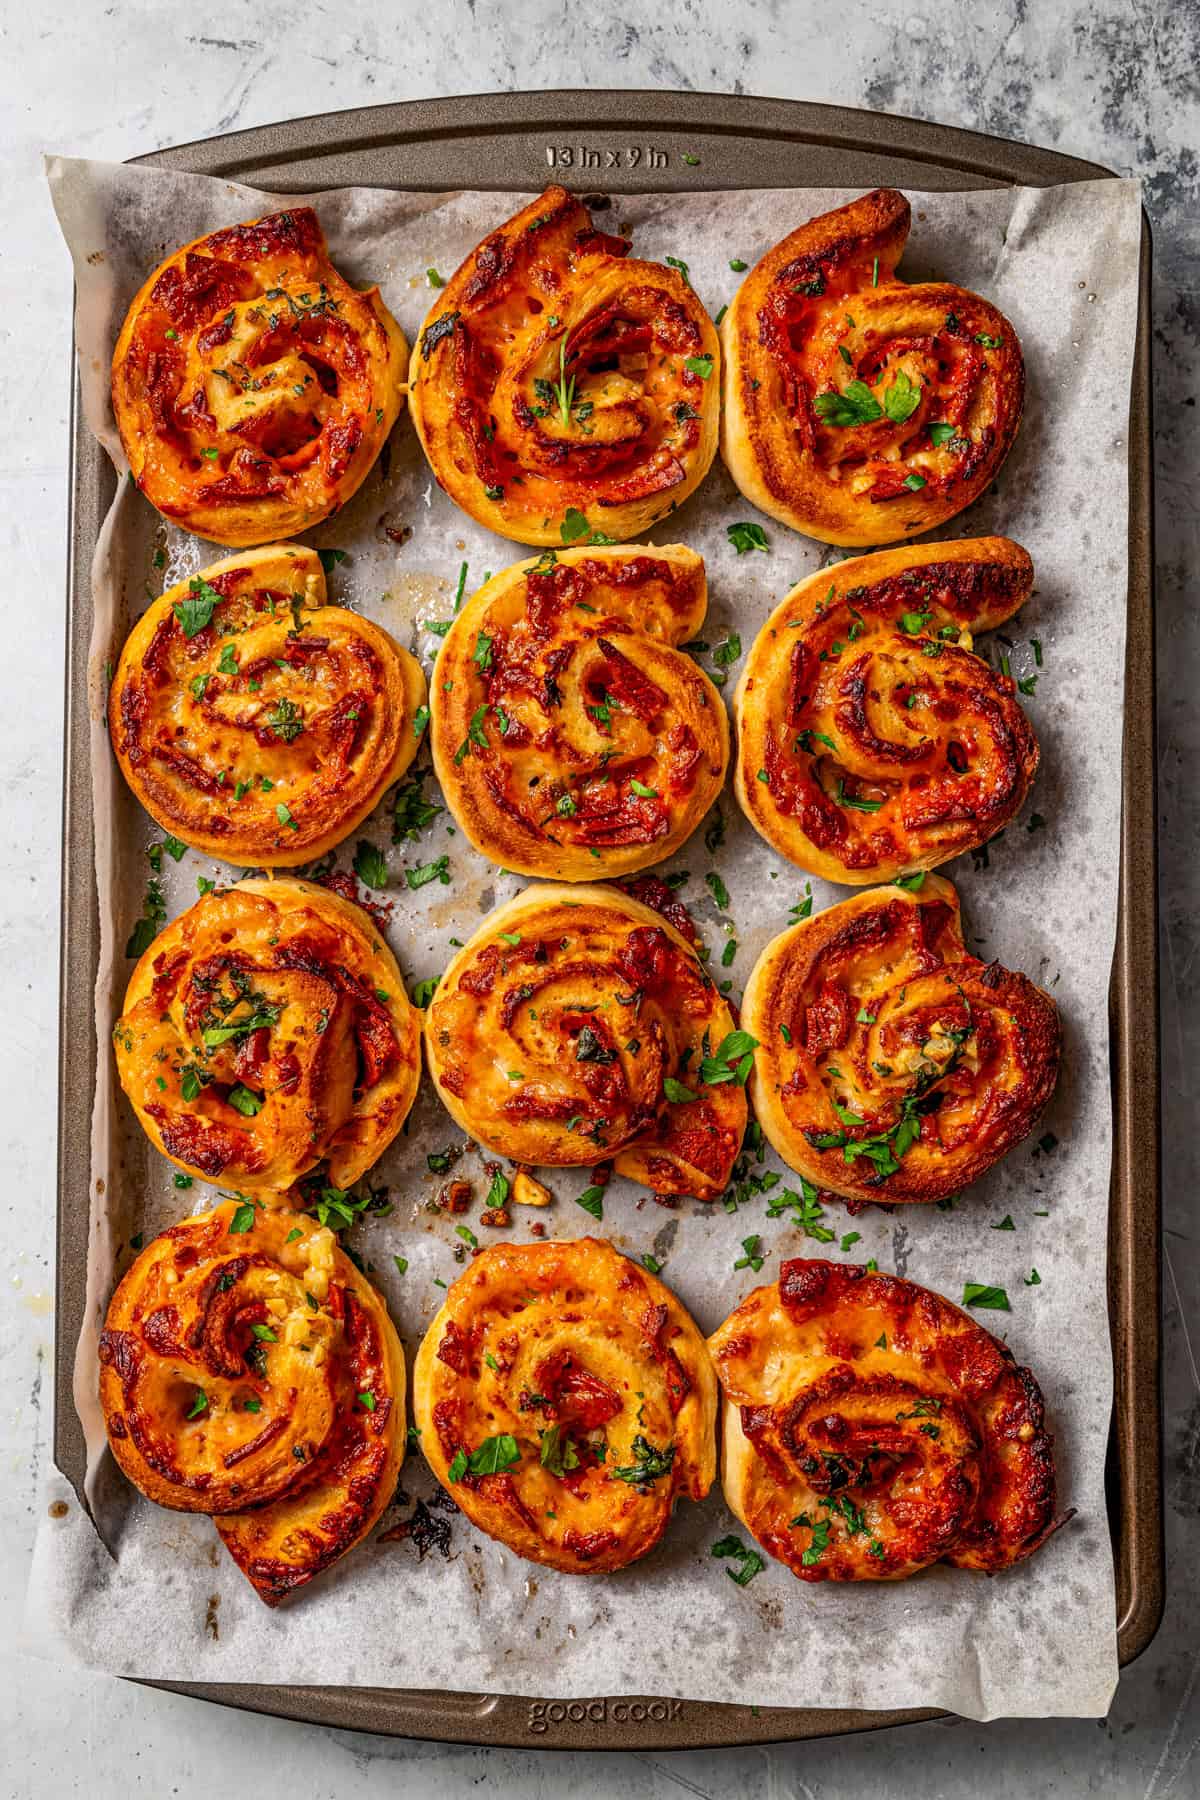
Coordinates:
(1109, 81)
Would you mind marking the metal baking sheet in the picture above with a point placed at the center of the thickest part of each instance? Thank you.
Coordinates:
(634, 143)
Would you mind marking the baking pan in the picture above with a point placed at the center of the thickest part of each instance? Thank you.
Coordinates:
(637, 142)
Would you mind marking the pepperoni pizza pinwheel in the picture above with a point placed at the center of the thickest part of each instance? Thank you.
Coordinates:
(871, 740)
(253, 387)
(577, 1026)
(571, 737)
(256, 721)
(893, 1065)
(859, 408)
(247, 1370)
(564, 391)
(566, 1400)
(871, 1429)
(267, 1032)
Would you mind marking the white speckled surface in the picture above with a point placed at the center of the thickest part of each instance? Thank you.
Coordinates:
(1104, 81)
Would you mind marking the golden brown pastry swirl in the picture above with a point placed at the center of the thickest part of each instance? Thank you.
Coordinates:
(566, 1400)
(256, 721)
(249, 1371)
(891, 1063)
(871, 740)
(564, 391)
(578, 1026)
(571, 737)
(266, 1032)
(871, 1428)
(859, 408)
(253, 387)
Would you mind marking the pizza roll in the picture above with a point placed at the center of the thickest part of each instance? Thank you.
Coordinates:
(267, 1032)
(871, 740)
(249, 1371)
(571, 737)
(892, 1064)
(577, 1026)
(859, 408)
(870, 1428)
(256, 721)
(566, 1399)
(563, 390)
(253, 387)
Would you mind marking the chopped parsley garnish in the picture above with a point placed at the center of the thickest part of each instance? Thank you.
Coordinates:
(751, 1257)
(476, 735)
(749, 1562)
(699, 365)
(854, 405)
(243, 1217)
(651, 1464)
(558, 1454)
(902, 399)
(592, 1201)
(370, 864)
(802, 908)
(747, 537)
(438, 870)
(733, 1060)
(195, 610)
(855, 802)
(154, 917)
(493, 1456)
(718, 890)
(285, 719)
(988, 1299)
(575, 529)
(411, 812)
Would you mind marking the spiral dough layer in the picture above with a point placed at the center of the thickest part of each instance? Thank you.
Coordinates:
(247, 1370)
(254, 720)
(565, 392)
(578, 1026)
(253, 387)
(858, 408)
(870, 739)
(892, 1064)
(267, 1032)
(571, 738)
(566, 1400)
(871, 1428)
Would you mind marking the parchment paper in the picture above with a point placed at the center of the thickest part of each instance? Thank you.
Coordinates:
(1040, 1639)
